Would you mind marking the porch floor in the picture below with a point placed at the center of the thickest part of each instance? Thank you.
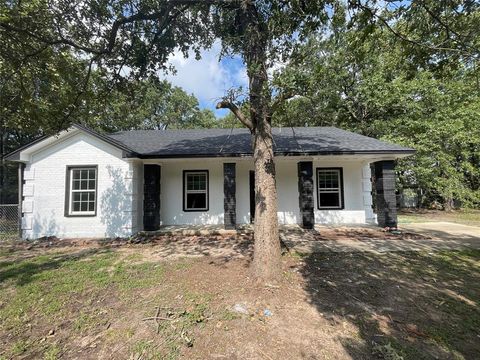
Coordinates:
(293, 229)
(344, 238)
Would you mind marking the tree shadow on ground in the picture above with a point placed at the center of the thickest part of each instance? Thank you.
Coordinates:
(416, 305)
(25, 271)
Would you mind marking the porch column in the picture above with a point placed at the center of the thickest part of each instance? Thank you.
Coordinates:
(305, 193)
(229, 199)
(151, 197)
(386, 202)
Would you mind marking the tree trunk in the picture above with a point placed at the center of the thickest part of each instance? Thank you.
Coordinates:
(266, 258)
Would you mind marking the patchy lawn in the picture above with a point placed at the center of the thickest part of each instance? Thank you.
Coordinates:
(94, 302)
(465, 216)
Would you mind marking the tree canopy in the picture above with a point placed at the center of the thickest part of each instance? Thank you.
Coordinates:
(375, 85)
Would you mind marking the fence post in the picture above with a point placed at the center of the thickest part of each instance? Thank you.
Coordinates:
(21, 166)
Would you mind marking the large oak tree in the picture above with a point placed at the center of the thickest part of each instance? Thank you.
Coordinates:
(141, 35)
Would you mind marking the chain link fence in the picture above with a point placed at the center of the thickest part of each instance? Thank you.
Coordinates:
(9, 225)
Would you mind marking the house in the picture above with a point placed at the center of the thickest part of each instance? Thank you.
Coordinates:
(80, 183)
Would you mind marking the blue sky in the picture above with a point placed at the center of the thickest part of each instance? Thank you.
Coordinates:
(208, 79)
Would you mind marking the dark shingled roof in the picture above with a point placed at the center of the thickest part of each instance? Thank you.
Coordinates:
(237, 142)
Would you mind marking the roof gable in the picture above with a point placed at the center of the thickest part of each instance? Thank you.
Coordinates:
(44, 141)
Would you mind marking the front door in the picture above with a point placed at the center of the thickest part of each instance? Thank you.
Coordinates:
(252, 196)
(151, 197)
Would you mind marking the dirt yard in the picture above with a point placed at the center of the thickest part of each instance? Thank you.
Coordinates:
(120, 300)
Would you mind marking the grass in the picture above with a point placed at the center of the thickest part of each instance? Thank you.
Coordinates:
(89, 293)
(52, 286)
(464, 216)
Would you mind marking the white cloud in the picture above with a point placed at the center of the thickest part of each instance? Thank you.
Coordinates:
(207, 78)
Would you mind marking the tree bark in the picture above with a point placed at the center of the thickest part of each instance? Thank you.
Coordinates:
(266, 258)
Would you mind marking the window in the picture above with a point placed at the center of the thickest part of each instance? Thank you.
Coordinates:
(330, 188)
(195, 193)
(81, 191)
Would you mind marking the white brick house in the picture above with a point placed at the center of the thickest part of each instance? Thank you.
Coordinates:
(84, 184)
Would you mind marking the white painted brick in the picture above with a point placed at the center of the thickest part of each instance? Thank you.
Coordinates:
(28, 190)
(366, 185)
(27, 206)
(29, 174)
(366, 172)
(27, 222)
(50, 164)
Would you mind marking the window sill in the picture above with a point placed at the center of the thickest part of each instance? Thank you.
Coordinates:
(81, 215)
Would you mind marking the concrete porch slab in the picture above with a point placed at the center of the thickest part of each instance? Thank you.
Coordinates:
(197, 230)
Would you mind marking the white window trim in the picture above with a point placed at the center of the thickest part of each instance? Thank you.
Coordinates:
(72, 191)
(186, 173)
(338, 190)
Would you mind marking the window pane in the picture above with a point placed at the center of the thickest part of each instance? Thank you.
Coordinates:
(76, 206)
(329, 199)
(76, 196)
(196, 181)
(84, 196)
(328, 179)
(76, 185)
(196, 201)
(189, 182)
(76, 174)
(91, 184)
(83, 206)
(91, 174)
(91, 206)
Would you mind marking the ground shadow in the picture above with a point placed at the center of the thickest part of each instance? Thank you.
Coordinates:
(25, 271)
(424, 306)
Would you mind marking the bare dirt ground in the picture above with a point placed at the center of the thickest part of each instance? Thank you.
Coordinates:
(410, 305)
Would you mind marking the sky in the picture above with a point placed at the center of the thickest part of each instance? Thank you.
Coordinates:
(208, 79)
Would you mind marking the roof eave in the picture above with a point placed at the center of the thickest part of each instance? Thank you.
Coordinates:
(400, 152)
(126, 152)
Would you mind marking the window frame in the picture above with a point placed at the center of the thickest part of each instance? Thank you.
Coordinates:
(185, 191)
(69, 191)
(341, 206)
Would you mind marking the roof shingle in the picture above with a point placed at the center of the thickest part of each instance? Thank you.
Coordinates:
(237, 142)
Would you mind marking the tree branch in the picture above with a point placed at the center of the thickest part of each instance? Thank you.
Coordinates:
(280, 99)
(403, 37)
(160, 15)
(225, 104)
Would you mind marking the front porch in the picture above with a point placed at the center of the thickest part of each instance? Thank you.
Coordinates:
(217, 195)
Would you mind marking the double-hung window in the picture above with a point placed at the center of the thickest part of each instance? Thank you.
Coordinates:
(81, 191)
(329, 188)
(195, 190)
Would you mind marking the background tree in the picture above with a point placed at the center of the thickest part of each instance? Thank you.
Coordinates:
(372, 85)
(150, 104)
